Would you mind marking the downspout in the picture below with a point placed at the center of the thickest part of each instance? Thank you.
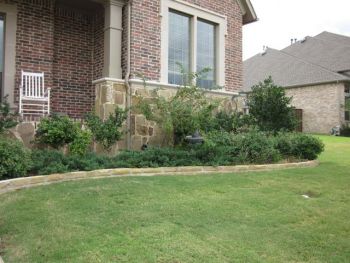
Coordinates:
(127, 78)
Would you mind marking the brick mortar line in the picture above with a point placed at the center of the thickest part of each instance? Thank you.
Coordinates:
(29, 182)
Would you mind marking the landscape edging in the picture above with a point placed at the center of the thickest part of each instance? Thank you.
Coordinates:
(28, 182)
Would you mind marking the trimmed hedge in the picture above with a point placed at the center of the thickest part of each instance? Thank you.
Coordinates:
(220, 148)
(15, 159)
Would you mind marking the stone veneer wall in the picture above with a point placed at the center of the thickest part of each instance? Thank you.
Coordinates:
(321, 106)
(110, 94)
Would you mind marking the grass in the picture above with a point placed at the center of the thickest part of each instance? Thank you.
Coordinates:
(252, 217)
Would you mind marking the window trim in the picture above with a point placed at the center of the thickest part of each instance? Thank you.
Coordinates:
(10, 12)
(195, 12)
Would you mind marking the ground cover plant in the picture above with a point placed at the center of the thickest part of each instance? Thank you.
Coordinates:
(250, 217)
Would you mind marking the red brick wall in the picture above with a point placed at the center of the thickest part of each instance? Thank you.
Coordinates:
(34, 46)
(146, 39)
(67, 45)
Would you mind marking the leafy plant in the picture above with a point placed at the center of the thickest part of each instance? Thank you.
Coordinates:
(184, 113)
(270, 107)
(15, 159)
(81, 142)
(7, 119)
(107, 132)
(345, 130)
(56, 131)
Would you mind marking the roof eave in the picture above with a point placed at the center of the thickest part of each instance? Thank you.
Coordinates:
(248, 12)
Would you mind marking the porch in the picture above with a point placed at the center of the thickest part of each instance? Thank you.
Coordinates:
(73, 42)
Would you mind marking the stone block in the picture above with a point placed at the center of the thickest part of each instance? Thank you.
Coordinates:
(26, 131)
(119, 87)
(119, 98)
(136, 142)
(141, 130)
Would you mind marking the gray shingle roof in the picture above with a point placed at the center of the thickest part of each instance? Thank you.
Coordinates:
(286, 70)
(313, 61)
(327, 50)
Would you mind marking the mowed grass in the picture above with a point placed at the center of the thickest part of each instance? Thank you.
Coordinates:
(251, 217)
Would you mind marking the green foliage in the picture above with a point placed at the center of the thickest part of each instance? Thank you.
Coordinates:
(48, 162)
(15, 160)
(81, 142)
(235, 122)
(107, 132)
(345, 130)
(56, 131)
(270, 107)
(299, 145)
(181, 115)
(7, 119)
(306, 146)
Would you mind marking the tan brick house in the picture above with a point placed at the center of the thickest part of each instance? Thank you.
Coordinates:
(91, 51)
(315, 72)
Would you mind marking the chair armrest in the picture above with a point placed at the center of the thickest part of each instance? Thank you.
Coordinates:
(47, 92)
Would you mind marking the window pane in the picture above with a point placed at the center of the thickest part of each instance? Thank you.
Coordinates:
(179, 46)
(206, 53)
(347, 108)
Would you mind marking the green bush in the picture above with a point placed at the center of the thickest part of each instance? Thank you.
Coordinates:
(81, 142)
(235, 122)
(48, 162)
(107, 132)
(15, 160)
(270, 107)
(7, 119)
(306, 147)
(345, 130)
(56, 131)
(256, 147)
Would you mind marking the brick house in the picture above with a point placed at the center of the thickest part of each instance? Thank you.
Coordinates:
(314, 71)
(92, 51)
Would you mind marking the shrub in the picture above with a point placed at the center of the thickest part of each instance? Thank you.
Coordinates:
(107, 132)
(81, 142)
(48, 162)
(270, 107)
(256, 147)
(345, 130)
(56, 131)
(184, 113)
(7, 119)
(306, 146)
(230, 122)
(15, 160)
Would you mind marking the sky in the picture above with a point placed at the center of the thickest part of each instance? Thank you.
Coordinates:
(281, 20)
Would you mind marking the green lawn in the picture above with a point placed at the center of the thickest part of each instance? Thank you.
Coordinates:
(252, 217)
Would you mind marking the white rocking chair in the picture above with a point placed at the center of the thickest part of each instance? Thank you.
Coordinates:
(34, 99)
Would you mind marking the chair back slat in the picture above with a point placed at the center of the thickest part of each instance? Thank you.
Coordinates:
(33, 84)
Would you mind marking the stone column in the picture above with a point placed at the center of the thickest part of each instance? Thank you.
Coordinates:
(113, 39)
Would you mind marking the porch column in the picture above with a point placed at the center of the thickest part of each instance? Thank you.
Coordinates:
(113, 39)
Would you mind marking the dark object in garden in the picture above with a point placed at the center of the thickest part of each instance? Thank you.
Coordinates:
(335, 131)
(196, 138)
(144, 147)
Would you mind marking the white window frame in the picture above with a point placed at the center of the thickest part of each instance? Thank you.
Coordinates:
(195, 12)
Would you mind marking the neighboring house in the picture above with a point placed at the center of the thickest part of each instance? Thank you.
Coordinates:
(315, 72)
(92, 50)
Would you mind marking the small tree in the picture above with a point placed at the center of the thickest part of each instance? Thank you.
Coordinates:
(187, 111)
(270, 107)
(7, 119)
(107, 132)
